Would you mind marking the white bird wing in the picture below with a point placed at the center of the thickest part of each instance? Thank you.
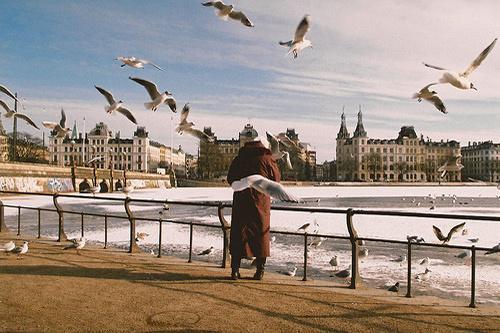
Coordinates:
(51, 125)
(438, 103)
(95, 159)
(286, 157)
(62, 122)
(438, 233)
(5, 106)
(271, 188)
(273, 143)
(217, 4)
(127, 114)
(184, 114)
(26, 119)
(479, 59)
(144, 61)
(426, 88)
(106, 94)
(456, 229)
(240, 16)
(172, 104)
(150, 87)
(8, 93)
(302, 29)
(198, 134)
(287, 141)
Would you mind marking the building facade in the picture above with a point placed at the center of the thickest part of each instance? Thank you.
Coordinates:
(137, 153)
(481, 161)
(407, 158)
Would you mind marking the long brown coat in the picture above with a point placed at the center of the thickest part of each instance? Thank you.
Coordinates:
(250, 219)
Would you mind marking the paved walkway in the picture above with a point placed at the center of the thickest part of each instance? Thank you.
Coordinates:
(51, 290)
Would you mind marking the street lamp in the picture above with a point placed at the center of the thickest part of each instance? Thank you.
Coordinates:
(72, 160)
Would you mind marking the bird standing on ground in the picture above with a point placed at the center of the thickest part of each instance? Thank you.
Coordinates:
(299, 41)
(128, 189)
(8, 247)
(115, 106)
(206, 252)
(290, 272)
(335, 262)
(423, 276)
(426, 261)
(394, 288)
(60, 129)
(157, 99)
(140, 236)
(77, 244)
(448, 237)
(20, 250)
(461, 80)
(431, 97)
(224, 11)
(136, 62)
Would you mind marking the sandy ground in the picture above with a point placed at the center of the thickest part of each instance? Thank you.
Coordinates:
(51, 290)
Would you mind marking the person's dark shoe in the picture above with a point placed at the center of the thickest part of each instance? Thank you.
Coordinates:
(259, 275)
(235, 275)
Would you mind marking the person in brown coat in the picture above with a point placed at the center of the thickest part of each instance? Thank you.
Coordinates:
(250, 218)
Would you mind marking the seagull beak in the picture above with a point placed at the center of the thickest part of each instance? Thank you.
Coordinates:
(474, 88)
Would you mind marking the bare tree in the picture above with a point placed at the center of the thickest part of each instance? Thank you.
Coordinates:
(29, 148)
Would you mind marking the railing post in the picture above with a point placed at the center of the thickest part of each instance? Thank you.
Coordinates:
(190, 241)
(61, 234)
(133, 245)
(159, 238)
(473, 278)
(354, 249)
(3, 226)
(408, 277)
(105, 231)
(39, 221)
(81, 216)
(18, 220)
(226, 227)
(304, 276)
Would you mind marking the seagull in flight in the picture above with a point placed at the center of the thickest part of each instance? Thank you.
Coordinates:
(202, 136)
(115, 106)
(136, 62)
(431, 96)
(7, 92)
(274, 145)
(157, 99)
(60, 129)
(451, 165)
(183, 123)
(224, 11)
(9, 113)
(264, 185)
(299, 41)
(447, 238)
(494, 249)
(461, 80)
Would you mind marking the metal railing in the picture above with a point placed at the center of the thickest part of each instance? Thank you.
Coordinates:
(225, 227)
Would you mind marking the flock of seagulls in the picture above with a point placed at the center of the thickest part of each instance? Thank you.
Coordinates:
(459, 80)
(10, 247)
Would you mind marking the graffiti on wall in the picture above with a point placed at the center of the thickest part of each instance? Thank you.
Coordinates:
(60, 185)
(21, 184)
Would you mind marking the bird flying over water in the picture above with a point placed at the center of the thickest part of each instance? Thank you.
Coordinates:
(157, 99)
(61, 129)
(299, 41)
(115, 105)
(431, 96)
(447, 238)
(224, 11)
(136, 62)
(264, 185)
(461, 80)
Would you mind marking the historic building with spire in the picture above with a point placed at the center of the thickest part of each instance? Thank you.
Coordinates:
(407, 158)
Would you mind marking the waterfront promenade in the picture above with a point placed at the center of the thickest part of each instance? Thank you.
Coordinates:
(52, 290)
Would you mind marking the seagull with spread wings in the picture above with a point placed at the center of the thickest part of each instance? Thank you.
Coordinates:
(274, 145)
(451, 165)
(115, 106)
(264, 185)
(431, 97)
(299, 41)
(224, 11)
(136, 62)
(461, 80)
(9, 113)
(157, 99)
(183, 123)
(447, 238)
(60, 129)
(7, 92)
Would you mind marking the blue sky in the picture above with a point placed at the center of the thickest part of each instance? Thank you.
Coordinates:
(365, 53)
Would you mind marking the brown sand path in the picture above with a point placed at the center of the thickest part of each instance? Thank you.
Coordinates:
(52, 290)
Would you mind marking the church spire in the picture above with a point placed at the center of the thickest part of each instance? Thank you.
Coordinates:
(360, 129)
(74, 132)
(343, 133)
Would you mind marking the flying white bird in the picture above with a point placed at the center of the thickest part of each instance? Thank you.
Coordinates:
(447, 238)
(277, 153)
(9, 113)
(431, 96)
(140, 236)
(60, 129)
(183, 123)
(494, 249)
(7, 92)
(264, 185)
(20, 250)
(77, 244)
(224, 11)
(299, 41)
(473, 240)
(451, 165)
(207, 251)
(8, 247)
(461, 80)
(317, 241)
(94, 159)
(157, 99)
(115, 106)
(314, 226)
(135, 62)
